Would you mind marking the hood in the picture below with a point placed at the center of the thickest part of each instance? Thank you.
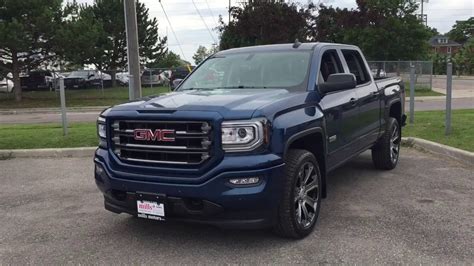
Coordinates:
(229, 103)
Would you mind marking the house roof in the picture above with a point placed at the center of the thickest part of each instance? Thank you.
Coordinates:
(434, 41)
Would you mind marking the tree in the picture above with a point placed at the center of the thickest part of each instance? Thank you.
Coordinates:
(169, 60)
(462, 30)
(102, 33)
(28, 30)
(383, 29)
(464, 59)
(202, 53)
(264, 22)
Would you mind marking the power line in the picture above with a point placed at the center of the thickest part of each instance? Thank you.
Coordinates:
(212, 14)
(205, 24)
(172, 30)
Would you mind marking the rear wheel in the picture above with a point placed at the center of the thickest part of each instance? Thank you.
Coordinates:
(386, 152)
(299, 208)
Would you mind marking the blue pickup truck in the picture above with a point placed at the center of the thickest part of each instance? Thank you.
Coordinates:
(249, 138)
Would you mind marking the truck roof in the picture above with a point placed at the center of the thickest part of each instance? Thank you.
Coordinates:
(281, 47)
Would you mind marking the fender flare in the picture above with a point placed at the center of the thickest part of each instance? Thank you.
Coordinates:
(304, 133)
(323, 171)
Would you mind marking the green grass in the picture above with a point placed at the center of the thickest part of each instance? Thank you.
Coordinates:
(47, 136)
(421, 90)
(429, 125)
(74, 98)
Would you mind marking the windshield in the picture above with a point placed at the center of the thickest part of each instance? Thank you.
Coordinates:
(79, 74)
(274, 69)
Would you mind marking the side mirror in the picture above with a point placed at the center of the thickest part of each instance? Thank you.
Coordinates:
(338, 82)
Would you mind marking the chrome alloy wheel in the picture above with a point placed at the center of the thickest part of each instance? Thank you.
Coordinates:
(395, 144)
(306, 195)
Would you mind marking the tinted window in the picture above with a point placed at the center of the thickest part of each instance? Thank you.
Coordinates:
(330, 64)
(356, 66)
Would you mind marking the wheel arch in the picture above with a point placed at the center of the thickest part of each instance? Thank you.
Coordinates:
(312, 140)
(395, 111)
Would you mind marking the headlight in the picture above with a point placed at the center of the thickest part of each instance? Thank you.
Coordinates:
(242, 135)
(101, 128)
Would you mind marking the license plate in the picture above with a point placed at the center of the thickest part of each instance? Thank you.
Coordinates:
(151, 210)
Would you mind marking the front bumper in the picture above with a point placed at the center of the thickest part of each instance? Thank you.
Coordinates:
(214, 201)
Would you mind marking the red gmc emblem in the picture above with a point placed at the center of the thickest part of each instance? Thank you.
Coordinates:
(157, 135)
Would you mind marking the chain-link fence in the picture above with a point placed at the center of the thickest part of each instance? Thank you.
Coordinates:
(423, 71)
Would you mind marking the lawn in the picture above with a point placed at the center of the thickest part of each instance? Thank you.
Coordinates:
(429, 125)
(421, 90)
(74, 98)
(47, 136)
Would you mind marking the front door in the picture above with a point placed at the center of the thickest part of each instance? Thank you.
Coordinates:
(341, 111)
(369, 100)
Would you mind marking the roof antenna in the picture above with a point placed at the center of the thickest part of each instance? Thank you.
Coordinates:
(296, 44)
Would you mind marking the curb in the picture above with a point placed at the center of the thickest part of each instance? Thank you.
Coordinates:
(456, 154)
(51, 110)
(47, 153)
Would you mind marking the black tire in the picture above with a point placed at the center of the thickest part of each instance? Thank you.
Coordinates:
(297, 193)
(386, 151)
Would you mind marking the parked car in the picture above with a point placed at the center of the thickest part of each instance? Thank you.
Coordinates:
(6, 85)
(378, 73)
(155, 77)
(179, 73)
(39, 80)
(252, 147)
(122, 78)
(81, 79)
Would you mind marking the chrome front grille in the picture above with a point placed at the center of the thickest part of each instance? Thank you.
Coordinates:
(191, 145)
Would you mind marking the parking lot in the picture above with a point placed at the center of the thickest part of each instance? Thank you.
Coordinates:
(419, 213)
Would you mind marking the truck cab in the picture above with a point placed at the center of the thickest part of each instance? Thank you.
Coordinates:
(248, 139)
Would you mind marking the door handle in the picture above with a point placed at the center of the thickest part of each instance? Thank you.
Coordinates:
(353, 101)
(375, 93)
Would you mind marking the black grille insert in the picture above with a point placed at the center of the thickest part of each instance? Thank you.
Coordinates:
(191, 143)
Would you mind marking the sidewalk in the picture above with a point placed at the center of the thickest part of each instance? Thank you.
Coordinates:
(458, 93)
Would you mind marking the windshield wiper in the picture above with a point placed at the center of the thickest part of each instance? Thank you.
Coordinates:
(245, 87)
(196, 89)
(229, 87)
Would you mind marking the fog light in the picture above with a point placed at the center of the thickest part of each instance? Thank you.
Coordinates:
(99, 170)
(245, 181)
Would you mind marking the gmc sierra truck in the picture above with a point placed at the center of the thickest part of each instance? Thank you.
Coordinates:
(249, 138)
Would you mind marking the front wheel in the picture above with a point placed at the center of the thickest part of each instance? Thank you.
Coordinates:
(299, 208)
(386, 152)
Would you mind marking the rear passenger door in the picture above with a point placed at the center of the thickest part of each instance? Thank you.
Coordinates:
(368, 99)
(340, 111)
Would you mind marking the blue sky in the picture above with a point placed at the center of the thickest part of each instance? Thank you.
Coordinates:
(192, 32)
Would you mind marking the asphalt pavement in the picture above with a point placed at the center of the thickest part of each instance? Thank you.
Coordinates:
(419, 213)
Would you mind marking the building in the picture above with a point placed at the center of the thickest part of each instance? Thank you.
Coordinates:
(443, 45)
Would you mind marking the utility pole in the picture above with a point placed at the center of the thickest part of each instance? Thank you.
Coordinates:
(131, 28)
(229, 13)
(424, 18)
